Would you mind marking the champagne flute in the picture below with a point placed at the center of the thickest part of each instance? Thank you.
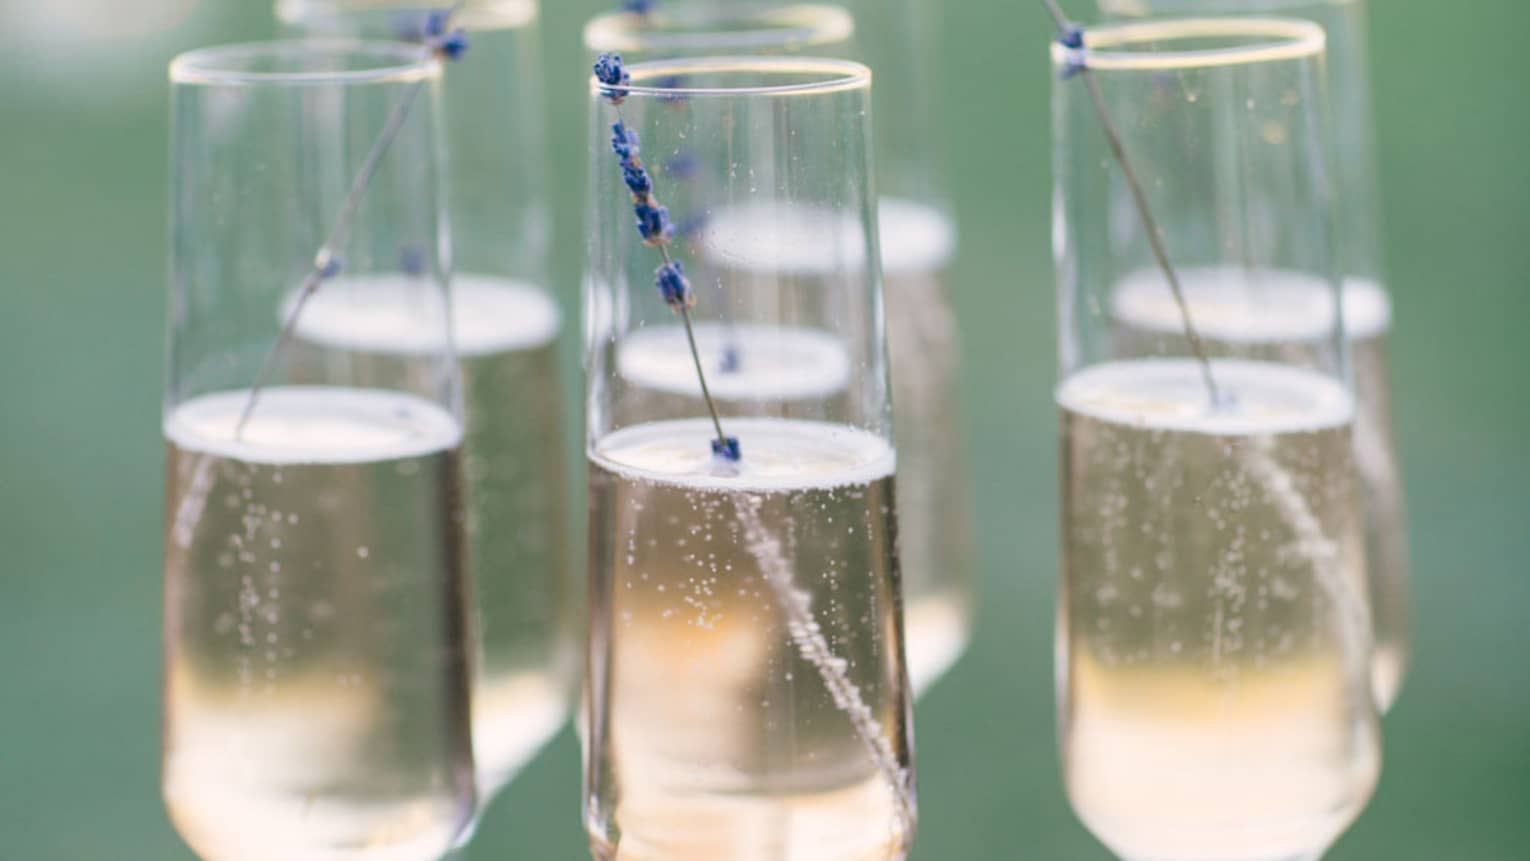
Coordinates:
(316, 659)
(747, 690)
(1214, 638)
(1367, 306)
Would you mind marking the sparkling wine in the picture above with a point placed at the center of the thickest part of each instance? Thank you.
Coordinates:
(505, 335)
(1281, 316)
(1214, 625)
(316, 686)
(934, 505)
(748, 701)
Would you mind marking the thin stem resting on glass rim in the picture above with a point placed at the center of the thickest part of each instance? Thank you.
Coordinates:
(446, 44)
(1071, 36)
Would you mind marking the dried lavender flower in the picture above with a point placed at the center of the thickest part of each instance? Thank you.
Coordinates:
(657, 230)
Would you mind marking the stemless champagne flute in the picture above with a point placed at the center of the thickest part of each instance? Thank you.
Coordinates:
(506, 329)
(918, 245)
(316, 659)
(747, 690)
(1213, 629)
(1367, 305)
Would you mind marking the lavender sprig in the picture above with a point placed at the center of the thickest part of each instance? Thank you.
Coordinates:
(446, 43)
(639, 7)
(657, 231)
(1071, 36)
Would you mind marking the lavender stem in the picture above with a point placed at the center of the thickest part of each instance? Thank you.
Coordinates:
(325, 262)
(1144, 211)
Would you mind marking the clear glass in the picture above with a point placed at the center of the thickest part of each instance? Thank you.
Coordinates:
(507, 328)
(1367, 304)
(316, 658)
(747, 689)
(918, 246)
(1214, 631)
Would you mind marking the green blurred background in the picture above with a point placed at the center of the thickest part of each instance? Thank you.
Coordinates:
(83, 130)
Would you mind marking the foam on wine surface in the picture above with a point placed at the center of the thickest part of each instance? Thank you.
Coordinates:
(1170, 395)
(394, 314)
(1286, 316)
(313, 424)
(505, 334)
(316, 672)
(1269, 306)
(782, 455)
(748, 700)
(744, 362)
(1216, 702)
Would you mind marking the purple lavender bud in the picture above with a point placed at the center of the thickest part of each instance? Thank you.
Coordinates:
(673, 285)
(451, 46)
(727, 449)
(625, 143)
(638, 181)
(332, 267)
(640, 7)
(610, 71)
(652, 222)
(1071, 35)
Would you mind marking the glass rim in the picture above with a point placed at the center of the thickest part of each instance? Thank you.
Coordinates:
(475, 14)
(1150, 8)
(833, 76)
(227, 65)
(1278, 39)
(700, 26)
